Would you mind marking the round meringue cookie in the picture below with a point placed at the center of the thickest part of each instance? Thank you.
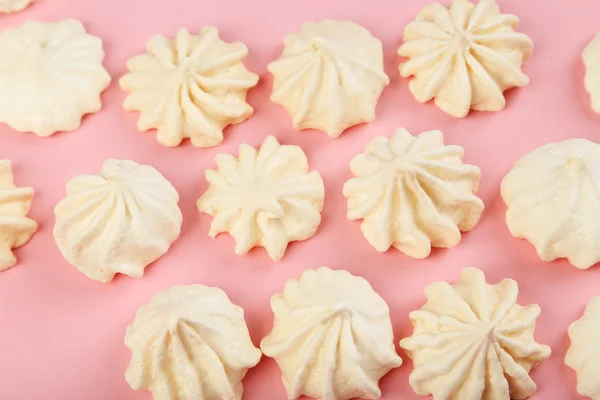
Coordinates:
(332, 336)
(464, 56)
(192, 86)
(472, 341)
(15, 228)
(330, 76)
(583, 355)
(413, 193)
(190, 342)
(10, 6)
(264, 197)
(552, 199)
(51, 75)
(117, 221)
(591, 59)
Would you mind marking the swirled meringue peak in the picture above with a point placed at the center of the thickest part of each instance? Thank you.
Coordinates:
(332, 336)
(117, 221)
(10, 6)
(330, 76)
(264, 197)
(190, 343)
(471, 340)
(552, 199)
(464, 56)
(584, 352)
(51, 74)
(591, 59)
(193, 87)
(15, 228)
(413, 193)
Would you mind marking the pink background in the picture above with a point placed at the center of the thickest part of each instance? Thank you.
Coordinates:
(61, 334)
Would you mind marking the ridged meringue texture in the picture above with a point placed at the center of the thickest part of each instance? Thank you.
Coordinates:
(10, 6)
(330, 76)
(192, 86)
(15, 228)
(51, 74)
(332, 336)
(117, 221)
(591, 59)
(464, 56)
(413, 193)
(552, 199)
(584, 352)
(264, 197)
(472, 341)
(190, 343)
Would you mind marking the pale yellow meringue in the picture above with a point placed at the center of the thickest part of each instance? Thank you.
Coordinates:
(10, 6)
(471, 340)
(264, 197)
(591, 59)
(464, 56)
(190, 343)
(413, 193)
(15, 228)
(332, 336)
(330, 76)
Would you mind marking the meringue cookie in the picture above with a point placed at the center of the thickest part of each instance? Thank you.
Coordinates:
(332, 336)
(51, 74)
(117, 221)
(413, 193)
(15, 228)
(190, 343)
(591, 59)
(584, 352)
(264, 197)
(10, 6)
(552, 194)
(190, 87)
(329, 76)
(472, 341)
(464, 56)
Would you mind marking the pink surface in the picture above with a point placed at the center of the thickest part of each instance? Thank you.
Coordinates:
(61, 334)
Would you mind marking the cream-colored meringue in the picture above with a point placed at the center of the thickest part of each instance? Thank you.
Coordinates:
(117, 221)
(472, 341)
(552, 199)
(190, 87)
(10, 6)
(51, 74)
(264, 197)
(329, 76)
(591, 59)
(332, 336)
(413, 193)
(464, 56)
(15, 228)
(584, 352)
(190, 343)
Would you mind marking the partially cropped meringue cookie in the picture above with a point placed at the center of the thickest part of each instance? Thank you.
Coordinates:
(464, 56)
(330, 76)
(584, 352)
(10, 6)
(413, 193)
(332, 336)
(192, 86)
(117, 221)
(15, 228)
(552, 199)
(51, 74)
(472, 341)
(591, 59)
(190, 343)
(264, 197)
